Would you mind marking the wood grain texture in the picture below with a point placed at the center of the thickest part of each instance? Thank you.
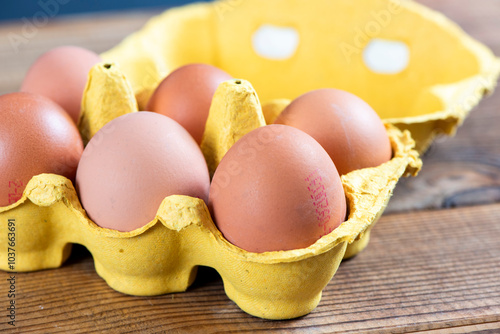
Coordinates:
(421, 272)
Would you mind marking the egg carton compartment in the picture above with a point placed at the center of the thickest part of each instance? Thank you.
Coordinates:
(426, 97)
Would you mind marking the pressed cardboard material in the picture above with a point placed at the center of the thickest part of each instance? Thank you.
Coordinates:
(447, 75)
(107, 95)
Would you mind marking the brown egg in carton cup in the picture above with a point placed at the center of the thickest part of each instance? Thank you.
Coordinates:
(428, 96)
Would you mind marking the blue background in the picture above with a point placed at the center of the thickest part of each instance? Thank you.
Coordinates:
(17, 9)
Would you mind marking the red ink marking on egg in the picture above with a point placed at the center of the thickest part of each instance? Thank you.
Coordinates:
(15, 191)
(319, 196)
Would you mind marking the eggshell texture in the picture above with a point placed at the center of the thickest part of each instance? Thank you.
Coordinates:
(185, 96)
(36, 136)
(276, 189)
(345, 125)
(61, 75)
(132, 163)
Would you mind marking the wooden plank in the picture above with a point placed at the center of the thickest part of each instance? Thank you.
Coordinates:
(487, 328)
(421, 272)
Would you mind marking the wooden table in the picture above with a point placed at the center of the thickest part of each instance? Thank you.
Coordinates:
(432, 265)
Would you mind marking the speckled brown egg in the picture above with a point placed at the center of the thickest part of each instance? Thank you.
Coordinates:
(185, 95)
(346, 126)
(61, 75)
(36, 136)
(276, 189)
(132, 163)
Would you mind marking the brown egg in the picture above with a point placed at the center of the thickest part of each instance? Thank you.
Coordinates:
(345, 125)
(134, 162)
(185, 96)
(276, 189)
(61, 75)
(36, 136)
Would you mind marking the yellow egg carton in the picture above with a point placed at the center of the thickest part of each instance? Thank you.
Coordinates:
(324, 44)
(162, 256)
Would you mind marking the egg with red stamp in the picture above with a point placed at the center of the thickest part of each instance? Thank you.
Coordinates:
(36, 136)
(276, 189)
(185, 95)
(61, 74)
(132, 163)
(346, 126)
